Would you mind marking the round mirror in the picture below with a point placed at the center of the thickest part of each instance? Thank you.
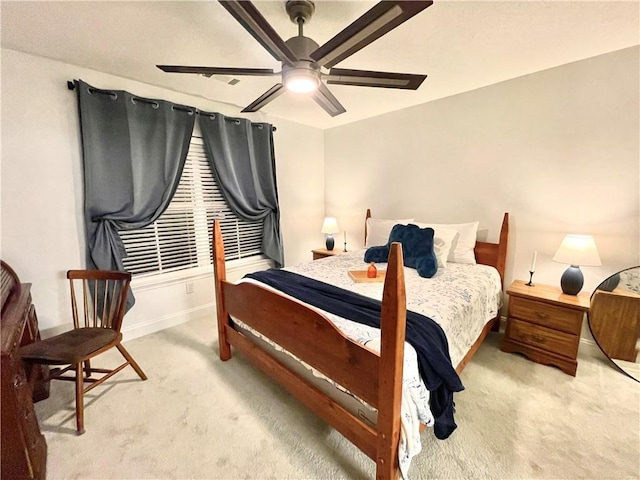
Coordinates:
(614, 320)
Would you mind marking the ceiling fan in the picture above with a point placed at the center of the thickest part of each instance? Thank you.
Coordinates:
(303, 59)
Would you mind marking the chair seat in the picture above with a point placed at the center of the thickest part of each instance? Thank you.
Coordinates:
(70, 347)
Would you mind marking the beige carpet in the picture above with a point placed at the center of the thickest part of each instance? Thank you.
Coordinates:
(197, 417)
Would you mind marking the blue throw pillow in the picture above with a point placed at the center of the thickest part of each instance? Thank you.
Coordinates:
(378, 254)
(417, 249)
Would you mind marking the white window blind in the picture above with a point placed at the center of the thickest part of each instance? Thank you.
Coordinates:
(181, 237)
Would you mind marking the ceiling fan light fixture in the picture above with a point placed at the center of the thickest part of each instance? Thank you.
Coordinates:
(301, 80)
(302, 59)
(301, 83)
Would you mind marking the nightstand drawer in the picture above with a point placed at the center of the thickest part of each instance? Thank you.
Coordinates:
(552, 316)
(544, 338)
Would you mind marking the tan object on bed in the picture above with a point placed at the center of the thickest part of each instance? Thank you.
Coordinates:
(360, 276)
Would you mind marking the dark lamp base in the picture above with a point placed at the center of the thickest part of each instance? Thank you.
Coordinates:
(330, 242)
(572, 280)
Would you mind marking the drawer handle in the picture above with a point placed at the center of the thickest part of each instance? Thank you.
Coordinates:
(17, 381)
(541, 315)
(538, 338)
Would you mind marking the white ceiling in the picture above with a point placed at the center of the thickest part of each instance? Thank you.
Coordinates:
(461, 45)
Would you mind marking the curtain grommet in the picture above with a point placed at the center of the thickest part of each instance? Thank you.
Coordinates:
(155, 105)
(91, 91)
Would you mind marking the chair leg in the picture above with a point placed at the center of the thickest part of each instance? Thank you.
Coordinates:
(87, 368)
(79, 400)
(131, 361)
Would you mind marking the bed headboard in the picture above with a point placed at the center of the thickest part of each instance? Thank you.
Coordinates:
(487, 253)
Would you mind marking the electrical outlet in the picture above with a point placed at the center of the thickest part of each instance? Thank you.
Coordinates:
(189, 287)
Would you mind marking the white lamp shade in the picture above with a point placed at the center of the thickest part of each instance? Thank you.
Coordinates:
(578, 250)
(330, 225)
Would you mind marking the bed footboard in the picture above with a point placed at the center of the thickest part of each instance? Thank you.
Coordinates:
(310, 336)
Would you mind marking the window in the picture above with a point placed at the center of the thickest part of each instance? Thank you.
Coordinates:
(180, 238)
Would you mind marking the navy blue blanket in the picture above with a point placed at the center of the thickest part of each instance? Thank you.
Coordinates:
(425, 335)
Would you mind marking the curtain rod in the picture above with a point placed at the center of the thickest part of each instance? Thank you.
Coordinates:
(72, 86)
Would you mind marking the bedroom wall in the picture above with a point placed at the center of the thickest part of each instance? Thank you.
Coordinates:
(42, 229)
(557, 149)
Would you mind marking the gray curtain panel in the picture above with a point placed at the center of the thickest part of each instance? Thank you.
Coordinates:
(243, 162)
(134, 151)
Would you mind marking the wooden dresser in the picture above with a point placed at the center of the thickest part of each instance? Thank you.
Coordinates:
(23, 447)
(545, 324)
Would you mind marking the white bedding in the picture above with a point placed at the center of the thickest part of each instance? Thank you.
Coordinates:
(462, 298)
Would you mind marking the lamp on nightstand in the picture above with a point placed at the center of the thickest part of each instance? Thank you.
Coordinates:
(330, 226)
(576, 250)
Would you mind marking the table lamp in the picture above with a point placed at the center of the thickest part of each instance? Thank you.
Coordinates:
(576, 250)
(330, 226)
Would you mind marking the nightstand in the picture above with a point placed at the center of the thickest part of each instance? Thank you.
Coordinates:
(323, 253)
(545, 324)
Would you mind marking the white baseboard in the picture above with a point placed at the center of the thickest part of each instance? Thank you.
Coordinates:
(589, 347)
(503, 324)
(166, 321)
(152, 326)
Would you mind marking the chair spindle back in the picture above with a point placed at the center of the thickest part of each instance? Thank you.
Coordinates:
(98, 297)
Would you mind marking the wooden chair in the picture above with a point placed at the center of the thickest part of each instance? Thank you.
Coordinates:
(98, 302)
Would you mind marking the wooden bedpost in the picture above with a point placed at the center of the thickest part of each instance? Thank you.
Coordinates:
(219, 276)
(393, 324)
(365, 225)
(501, 261)
(502, 246)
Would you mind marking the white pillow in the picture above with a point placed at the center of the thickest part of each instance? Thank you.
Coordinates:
(441, 251)
(463, 245)
(443, 239)
(378, 230)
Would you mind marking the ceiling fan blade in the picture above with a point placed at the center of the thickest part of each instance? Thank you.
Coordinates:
(366, 78)
(254, 23)
(271, 94)
(382, 18)
(326, 100)
(208, 71)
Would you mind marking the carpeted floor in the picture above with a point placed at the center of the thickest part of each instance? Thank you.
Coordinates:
(197, 417)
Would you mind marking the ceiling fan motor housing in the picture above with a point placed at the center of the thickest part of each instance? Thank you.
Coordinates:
(302, 47)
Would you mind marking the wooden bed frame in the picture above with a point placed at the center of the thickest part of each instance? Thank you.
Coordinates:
(310, 336)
